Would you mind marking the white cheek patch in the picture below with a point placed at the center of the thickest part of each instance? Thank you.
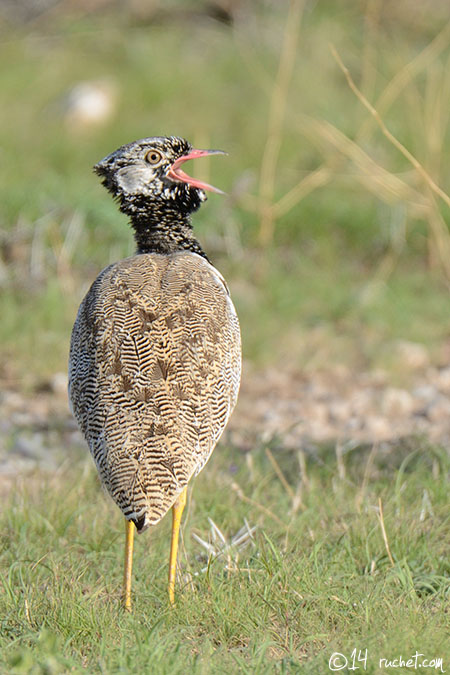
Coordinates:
(135, 179)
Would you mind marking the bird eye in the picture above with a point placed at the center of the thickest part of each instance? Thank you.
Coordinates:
(153, 157)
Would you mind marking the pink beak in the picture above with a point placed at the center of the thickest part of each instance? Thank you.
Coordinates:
(175, 172)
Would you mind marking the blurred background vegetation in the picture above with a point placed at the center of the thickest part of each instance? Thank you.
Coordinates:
(334, 233)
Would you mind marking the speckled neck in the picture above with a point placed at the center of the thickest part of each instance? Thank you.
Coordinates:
(160, 227)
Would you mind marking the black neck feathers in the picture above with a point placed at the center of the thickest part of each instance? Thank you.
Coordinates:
(162, 227)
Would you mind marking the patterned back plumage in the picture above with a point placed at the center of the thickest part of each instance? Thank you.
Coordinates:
(154, 374)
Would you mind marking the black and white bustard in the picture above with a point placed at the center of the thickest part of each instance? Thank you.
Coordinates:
(155, 356)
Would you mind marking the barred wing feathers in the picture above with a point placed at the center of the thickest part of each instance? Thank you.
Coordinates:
(154, 374)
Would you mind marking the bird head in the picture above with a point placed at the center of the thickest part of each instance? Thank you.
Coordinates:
(150, 169)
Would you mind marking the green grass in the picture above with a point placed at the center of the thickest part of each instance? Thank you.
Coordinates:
(313, 581)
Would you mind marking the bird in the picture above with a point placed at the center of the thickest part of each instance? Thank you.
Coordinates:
(155, 353)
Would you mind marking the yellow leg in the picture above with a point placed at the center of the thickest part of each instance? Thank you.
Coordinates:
(129, 537)
(177, 511)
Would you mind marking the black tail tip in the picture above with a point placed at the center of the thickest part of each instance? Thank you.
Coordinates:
(140, 523)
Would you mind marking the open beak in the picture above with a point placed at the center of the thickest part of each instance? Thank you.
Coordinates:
(176, 173)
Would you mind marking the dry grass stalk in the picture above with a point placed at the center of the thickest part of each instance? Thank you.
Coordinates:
(405, 75)
(297, 502)
(309, 183)
(238, 490)
(280, 474)
(383, 531)
(277, 112)
(391, 138)
(436, 115)
(427, 507)
(27, 612)
(384, 184)
(340, 460)
(377, 179)
(371, 25)
(368, 468)
(439, 243)
(303, 473)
